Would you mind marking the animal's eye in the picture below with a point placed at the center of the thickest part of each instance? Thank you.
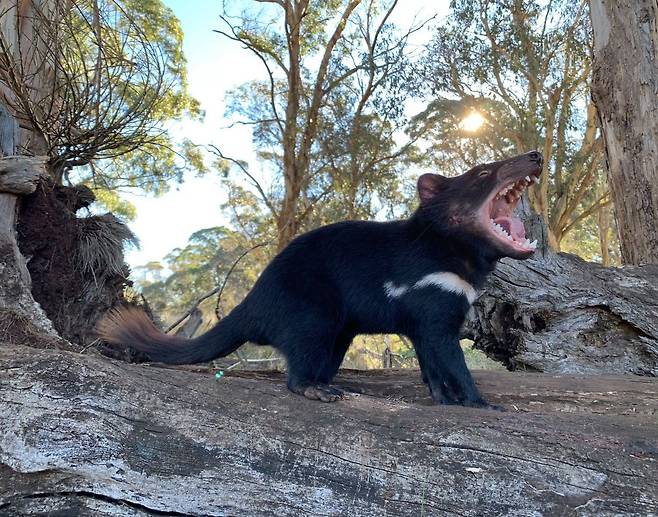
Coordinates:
(484, 172)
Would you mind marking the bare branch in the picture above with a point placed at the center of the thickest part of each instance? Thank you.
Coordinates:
(604, 200)
(215, 291)
(228, 274)
(215, 150)
(89, 81)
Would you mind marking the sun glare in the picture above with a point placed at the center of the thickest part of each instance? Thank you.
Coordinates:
(472, 122)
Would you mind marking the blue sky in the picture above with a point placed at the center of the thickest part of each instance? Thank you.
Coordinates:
(215, 65)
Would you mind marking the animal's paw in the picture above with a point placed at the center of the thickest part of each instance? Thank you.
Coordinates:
(323, 393)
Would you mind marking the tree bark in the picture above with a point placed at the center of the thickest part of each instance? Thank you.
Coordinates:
(624, 87)
(20, 174)
(21, 319)
(82, 435)
(560, 314)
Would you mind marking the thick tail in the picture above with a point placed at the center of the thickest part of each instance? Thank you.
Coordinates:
(131, 326)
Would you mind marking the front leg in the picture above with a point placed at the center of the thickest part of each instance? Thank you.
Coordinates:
(444, 369)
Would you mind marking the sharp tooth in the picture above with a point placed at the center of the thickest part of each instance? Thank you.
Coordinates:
(533, 244)
(527, 178)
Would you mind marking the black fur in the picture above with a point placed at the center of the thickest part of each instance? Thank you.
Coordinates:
(327, 286)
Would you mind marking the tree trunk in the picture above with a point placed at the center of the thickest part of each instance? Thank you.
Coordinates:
(298, 140)
(21, 319)
(287, 222)
(83, 435)
(604, 227)
(624, 87)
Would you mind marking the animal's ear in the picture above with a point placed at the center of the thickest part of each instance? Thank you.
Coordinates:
(429, 185)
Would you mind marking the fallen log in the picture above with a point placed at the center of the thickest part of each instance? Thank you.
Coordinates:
(85, 435)
(558, 313)
(561, 314)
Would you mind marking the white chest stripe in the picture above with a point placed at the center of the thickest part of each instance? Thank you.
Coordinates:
(395, 292)
(449, 282)
(444, 280)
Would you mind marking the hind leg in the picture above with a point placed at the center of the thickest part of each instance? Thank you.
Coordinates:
(309, 359)
(305, 381)
(341, 346)
(342, 343)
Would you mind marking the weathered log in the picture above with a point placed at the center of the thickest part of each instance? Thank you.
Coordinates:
(83, 435)
(21, 174)
(560, 314)
(564, 315)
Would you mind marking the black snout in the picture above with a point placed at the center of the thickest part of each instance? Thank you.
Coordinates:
(535, 156)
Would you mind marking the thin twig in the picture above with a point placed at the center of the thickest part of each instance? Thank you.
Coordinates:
(228, 274)
(214, 291)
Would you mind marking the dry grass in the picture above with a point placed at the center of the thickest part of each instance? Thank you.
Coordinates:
(102, 239)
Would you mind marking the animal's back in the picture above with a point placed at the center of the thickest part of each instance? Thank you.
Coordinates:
(340, 256)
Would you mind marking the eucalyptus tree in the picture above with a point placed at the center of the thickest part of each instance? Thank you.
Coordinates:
(624, 89)
(325, 117)
(525, 67)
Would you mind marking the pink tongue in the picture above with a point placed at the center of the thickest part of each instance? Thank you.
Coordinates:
(513, 225)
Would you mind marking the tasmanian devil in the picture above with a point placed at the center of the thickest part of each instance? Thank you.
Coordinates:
(416, 277)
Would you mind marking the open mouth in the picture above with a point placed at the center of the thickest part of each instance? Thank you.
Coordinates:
(503, 225)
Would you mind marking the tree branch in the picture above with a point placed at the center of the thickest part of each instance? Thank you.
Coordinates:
(215, 150)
